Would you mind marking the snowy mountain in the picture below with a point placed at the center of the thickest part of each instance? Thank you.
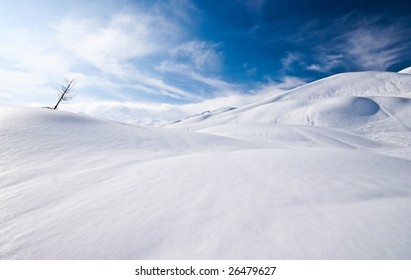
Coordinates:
(349, 100)
(318, 172)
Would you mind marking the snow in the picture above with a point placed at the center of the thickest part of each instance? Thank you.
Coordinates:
(405, 71)
(318, 172)
(300, 105)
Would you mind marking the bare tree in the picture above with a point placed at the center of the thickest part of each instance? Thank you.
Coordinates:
(65, 92)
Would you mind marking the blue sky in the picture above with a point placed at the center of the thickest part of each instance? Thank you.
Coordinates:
(138, 61)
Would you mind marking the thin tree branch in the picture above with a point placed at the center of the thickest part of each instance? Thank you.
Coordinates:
(64, 91)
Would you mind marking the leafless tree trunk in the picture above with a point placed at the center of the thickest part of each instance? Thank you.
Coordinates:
(65, 92)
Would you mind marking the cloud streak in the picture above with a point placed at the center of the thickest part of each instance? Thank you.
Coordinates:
(365, 44)
(122, 57)
(374, 48)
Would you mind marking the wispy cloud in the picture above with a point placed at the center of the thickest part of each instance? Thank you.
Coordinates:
(291, 59)
(275, 87)
(326, 62)
(109, 44)
(363, 44)
(374, 47)
(200, 54)
(29, 66)
(115, 47)
(114, 57)
(198, 61)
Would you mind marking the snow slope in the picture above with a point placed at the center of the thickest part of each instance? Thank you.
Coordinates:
(247, 185)
(374, 105)
(405, 71)
(348, 100)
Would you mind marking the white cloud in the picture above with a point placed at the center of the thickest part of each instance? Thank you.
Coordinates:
(110, 44)
(164, 88)
(276, 87)
(30, 66)
(327, 62)
(198, 61)
(373, 47)
(220, 86)
(249, 71)
(104, 55)
(290, 59)
(314, 67)
(363, 44)
(115, 47)
(200, 54)
(183, 10)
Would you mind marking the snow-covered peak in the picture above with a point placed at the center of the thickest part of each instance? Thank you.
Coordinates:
(405, 71)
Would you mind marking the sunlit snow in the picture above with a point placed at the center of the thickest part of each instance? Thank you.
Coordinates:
(318, 172)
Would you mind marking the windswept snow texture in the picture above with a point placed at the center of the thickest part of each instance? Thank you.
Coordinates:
(318, 172)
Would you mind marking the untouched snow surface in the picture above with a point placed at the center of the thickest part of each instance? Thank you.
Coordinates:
(319, 172)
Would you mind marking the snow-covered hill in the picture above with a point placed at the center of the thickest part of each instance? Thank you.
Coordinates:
(405, 71)
(318, 172)
(349, 100)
